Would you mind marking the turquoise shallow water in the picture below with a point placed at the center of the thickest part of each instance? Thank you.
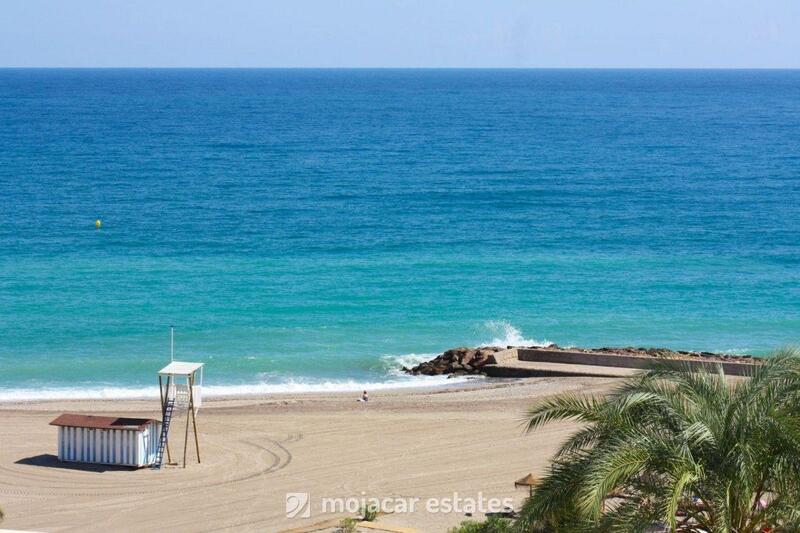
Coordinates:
(311, 228)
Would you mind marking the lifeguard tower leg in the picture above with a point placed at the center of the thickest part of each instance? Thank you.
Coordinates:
(194, 419)
(186, 433)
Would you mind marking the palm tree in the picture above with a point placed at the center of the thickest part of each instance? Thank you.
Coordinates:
(690, 450)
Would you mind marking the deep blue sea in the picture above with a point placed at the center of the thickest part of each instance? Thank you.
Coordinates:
(310, 229)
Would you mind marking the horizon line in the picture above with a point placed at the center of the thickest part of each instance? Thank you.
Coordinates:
(228, 67)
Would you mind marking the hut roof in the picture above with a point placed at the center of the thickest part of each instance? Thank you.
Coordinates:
(101, 422)
(528, 481)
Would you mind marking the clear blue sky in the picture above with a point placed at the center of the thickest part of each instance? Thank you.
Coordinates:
(401, 33)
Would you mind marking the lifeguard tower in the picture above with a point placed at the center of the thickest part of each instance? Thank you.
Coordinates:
(180, 390)
(180, 386)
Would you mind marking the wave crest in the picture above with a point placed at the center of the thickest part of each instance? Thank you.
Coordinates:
(288, 386)
(506, 334)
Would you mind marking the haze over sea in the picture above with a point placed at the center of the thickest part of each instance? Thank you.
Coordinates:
(310, 229)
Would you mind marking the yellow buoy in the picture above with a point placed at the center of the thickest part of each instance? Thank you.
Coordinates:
(98, 224)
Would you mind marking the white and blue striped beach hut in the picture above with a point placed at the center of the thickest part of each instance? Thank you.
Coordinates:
(108, 440)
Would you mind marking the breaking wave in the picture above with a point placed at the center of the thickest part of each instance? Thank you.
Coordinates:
(289, 386)
(505, 334)
(389, 376)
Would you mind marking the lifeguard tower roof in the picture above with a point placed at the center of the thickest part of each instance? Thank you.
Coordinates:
(180, 368)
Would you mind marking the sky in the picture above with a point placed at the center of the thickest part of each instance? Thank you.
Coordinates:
(401, 33)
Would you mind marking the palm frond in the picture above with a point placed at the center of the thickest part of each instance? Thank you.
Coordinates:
(673, 441)
(567, 407)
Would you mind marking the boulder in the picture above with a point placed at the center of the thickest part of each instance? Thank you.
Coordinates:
(457, 361)
(489, 360)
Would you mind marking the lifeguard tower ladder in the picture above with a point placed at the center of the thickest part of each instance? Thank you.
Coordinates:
(181, 390)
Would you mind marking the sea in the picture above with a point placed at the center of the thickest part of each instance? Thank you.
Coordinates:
(314, 230)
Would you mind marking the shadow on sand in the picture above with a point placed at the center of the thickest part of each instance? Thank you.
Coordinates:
(51, 461)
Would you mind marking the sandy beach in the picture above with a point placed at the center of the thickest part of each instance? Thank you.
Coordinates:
(418, 443)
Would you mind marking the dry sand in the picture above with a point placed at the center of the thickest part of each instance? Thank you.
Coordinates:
(410, 443)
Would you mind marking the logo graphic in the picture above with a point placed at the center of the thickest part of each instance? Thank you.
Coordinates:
(297, 505)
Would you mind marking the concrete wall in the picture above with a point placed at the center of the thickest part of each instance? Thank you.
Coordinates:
(510, 371)
(624, 361)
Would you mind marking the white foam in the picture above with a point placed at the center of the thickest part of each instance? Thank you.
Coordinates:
(263, 388)
(511, 336)
(734, 351)
(393, 363)
(77, 393)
